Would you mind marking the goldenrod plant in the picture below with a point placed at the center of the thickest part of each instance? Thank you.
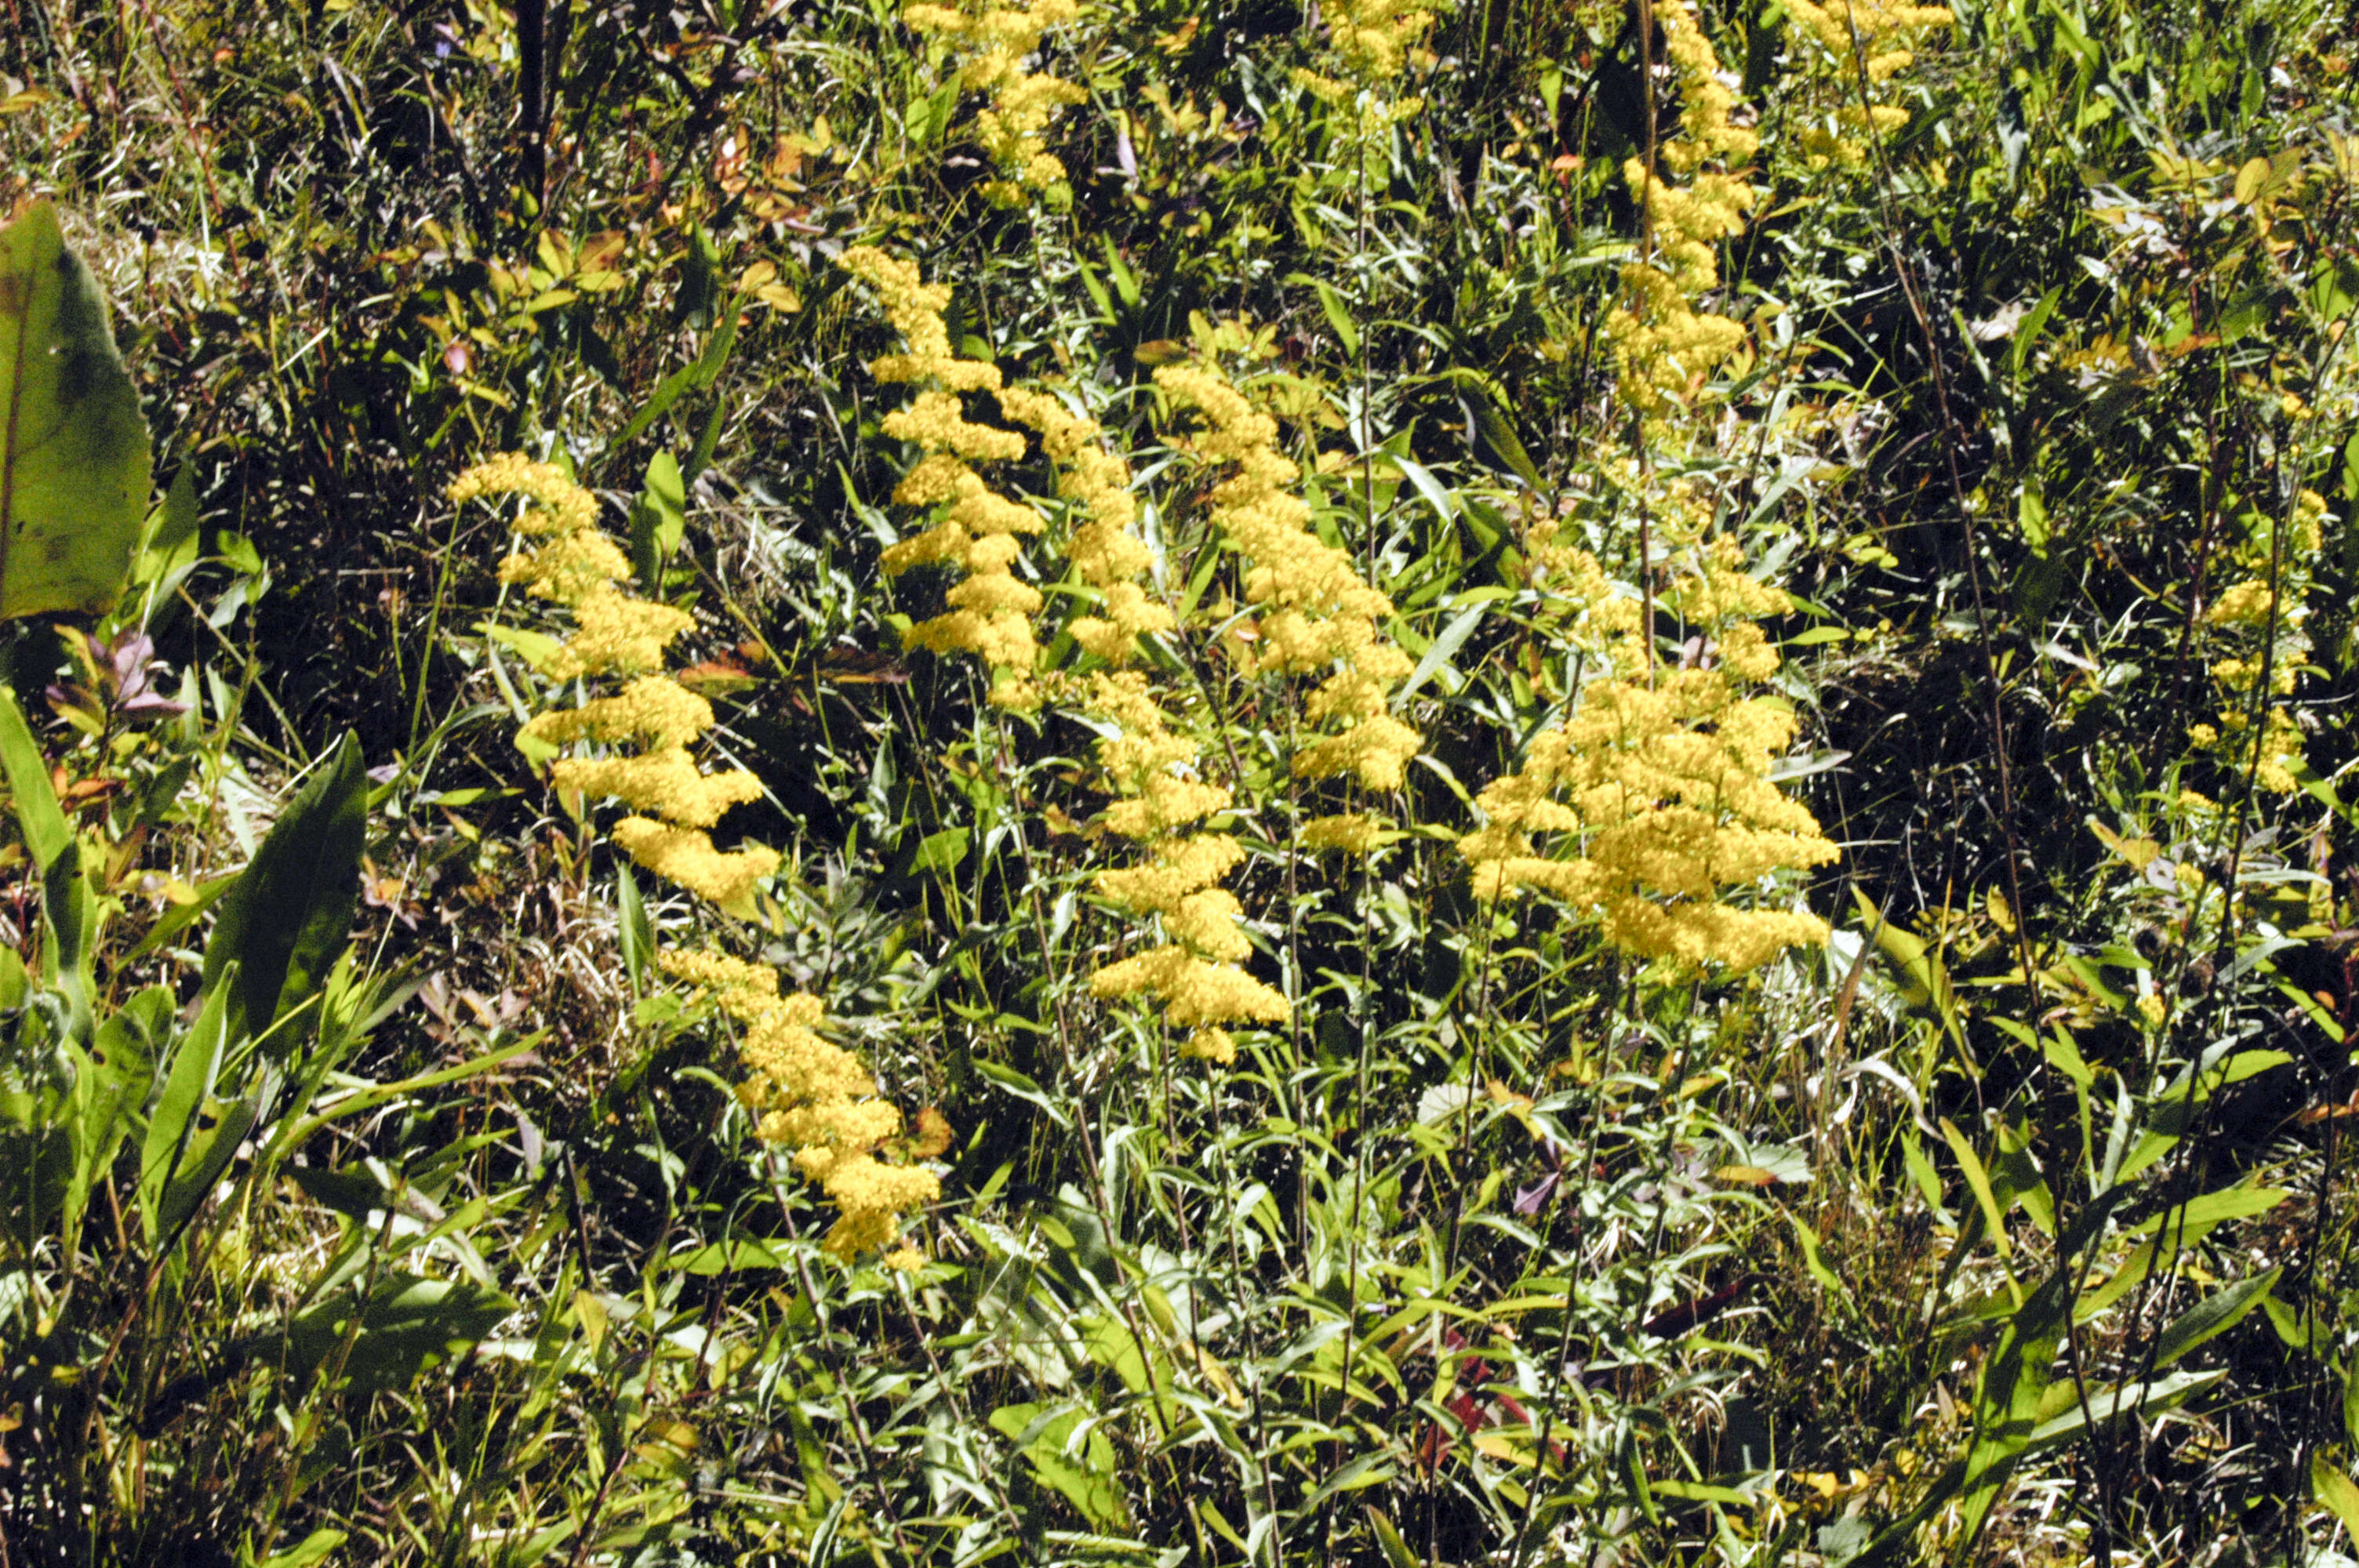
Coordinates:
(806, 1094)
(1381, 782)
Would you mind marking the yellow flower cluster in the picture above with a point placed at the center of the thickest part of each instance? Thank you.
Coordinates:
(818, 1099)
(1103, 547)
(1022, 101)
(1317, 616)
(568, 559)
(1659, 784)
(1193, 973)
(1374, 41)
(1196, 972)
(2248, 617)
(1874, 39)
(806, 1093)
(1665, 348)
(1375, 37)
(574, 563)
(991, 610)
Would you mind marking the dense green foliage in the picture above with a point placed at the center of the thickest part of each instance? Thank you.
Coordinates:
(375, 1192)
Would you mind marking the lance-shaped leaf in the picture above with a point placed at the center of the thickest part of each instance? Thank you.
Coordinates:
(292, 911)
(73, 446)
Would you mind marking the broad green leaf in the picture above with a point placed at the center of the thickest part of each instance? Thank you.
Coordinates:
(2007, 1399)
(633, 932)
(111, 1080)
(209, 1153)
(407, 1326)
(72, 909)
(732, 1257)
(1701, 1492)
(1439, 653)
(1979, 1180)
(1338, 315)
(1388, 1538)
(1086, 1479)
(690, 377)
(942, 851)
(1816, 1263)
(1501, 438)
(2211, 1209)
(66, 895)
(2214, 1316)
(73, 446)
(288, 915)
(1925, 979)
(2144, 1396)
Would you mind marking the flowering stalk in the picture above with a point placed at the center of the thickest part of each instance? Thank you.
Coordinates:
(808, 1095)
(1664, 347)
(1317, 617)
(2261, 630)
(1194, 973)
(1375, 42)
(1659, 781)
(1012, 129)
(991, 611)
(1865, 42)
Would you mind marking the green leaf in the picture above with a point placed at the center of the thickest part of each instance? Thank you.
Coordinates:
(38, 813)
(1926, 980)
(732, 1257)
(314, 1548)
(2144, 1396)
(693, 376)
(2214, 1316)
(1701, 1492)
(1086, 1479)
(635, 933)
(196, 1064)
(1501, 438)
(1338, 315)
(1817, 1264)
(2334, 1492)
(658, 521)
(288, 915)
(73, 446)
(111, 1080)
(66, 895)
(1388, 1537)
(175, 522)
(1439, 653)
(2007, 1398)
(1979, 1180)
(2211, 1209)
(210, 1151)
(407, 1326)
(942, 851)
